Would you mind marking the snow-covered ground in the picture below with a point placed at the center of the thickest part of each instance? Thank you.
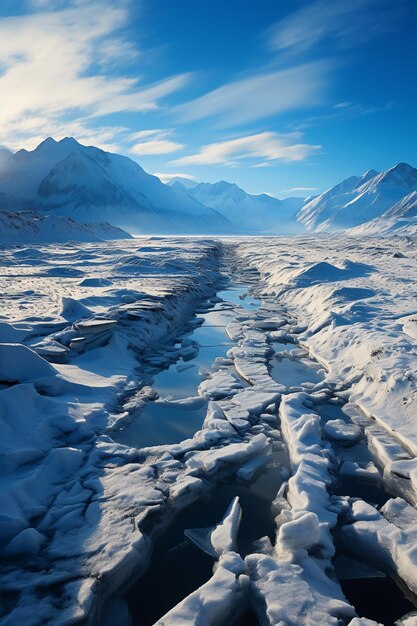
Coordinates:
(309, 411)
(27, 227)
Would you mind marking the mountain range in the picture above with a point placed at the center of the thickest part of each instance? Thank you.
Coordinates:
(358, 199)
(88, 184)
(50, 190)
(254, 213)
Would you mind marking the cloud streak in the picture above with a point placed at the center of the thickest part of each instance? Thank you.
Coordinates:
(269, 146)
(346, 23)
(261, 96)
(168, 177)
(154, 141)
(59, 65)
(294, 189)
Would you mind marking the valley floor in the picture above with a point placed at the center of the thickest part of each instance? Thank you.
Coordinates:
(148, 384)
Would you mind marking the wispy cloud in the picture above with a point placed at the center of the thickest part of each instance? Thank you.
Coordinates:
(341, 110)
(59, 65)
(154, 141)
(345, 23)
(269, 146)
(296, 189)
(167, 177)
(262, 95)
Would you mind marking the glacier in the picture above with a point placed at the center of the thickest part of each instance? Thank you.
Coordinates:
(308, 409)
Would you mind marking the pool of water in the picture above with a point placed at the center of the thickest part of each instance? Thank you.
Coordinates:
(280, 346)
(238, 295)
(164, 423)
(293, 373)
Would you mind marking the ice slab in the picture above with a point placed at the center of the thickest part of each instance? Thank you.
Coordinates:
(220, 538)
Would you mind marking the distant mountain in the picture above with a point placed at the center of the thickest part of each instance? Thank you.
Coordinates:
(90, 185)
(255, 213)
(29, 227)
(401, 219)
(357, 200)
(185, 182)
(4, 155)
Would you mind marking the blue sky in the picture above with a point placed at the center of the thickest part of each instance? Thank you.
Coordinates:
(280, 97)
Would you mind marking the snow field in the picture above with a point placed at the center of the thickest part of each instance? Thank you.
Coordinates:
(82, 512)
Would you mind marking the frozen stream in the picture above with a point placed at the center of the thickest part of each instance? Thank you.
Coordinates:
(163, 421)
(167, 421)
(300, 417)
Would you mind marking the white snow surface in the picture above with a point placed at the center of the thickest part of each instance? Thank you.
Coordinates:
(77, 509)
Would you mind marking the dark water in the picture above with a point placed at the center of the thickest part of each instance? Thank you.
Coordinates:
(355, 488)
(178, 568)
(379, 599)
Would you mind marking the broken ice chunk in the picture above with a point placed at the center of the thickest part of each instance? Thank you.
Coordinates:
(18, 363)
(342, 431)
(218, 602)
(94, 326)
(301, 533)
(220, 538)
(367, 473)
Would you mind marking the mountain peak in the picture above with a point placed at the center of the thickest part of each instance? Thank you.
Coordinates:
(347, 205)
(50, 143)
(69, 141)
(369, 174)
(401, 174)
(223, 185)
(402, 168)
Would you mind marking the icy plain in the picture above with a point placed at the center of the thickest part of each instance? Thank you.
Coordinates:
(309, 410)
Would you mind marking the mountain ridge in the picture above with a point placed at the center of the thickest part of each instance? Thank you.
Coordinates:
(87, 183)
(357, 200)
(258, 213)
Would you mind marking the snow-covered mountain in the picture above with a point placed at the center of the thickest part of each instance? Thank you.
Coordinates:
(256, 213)
(401, 219)
(29, 227)
(357, 200)
(90, 185)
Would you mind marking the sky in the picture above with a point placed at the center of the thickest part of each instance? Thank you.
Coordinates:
(280, 97)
